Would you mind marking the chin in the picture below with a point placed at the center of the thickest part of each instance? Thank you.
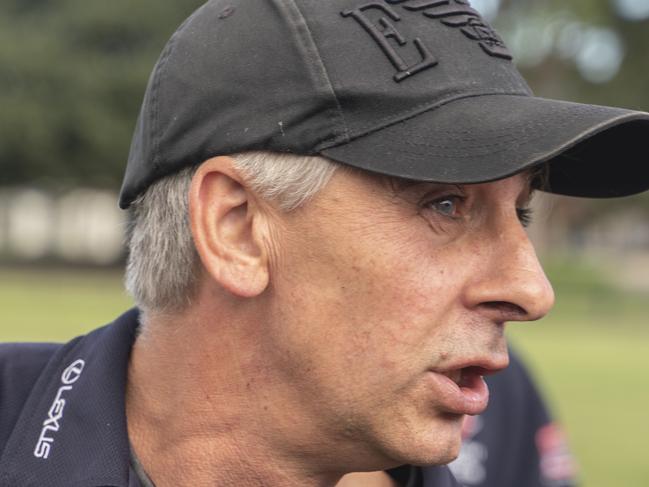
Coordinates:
(440, 455)
(431, 449)
(449, 455)
(439, 446)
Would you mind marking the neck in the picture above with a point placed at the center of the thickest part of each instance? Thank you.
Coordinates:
(202, 410)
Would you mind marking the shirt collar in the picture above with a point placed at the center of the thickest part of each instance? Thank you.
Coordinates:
(72, 430)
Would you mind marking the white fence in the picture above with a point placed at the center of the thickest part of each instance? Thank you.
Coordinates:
(86, 226)
(83, 226)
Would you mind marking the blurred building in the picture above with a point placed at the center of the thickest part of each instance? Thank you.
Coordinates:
(70, 96)
(83, 226)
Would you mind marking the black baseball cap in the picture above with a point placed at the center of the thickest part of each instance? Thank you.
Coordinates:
(418, 89)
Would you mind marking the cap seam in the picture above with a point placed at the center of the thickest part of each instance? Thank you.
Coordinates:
(414, 112)
(326, 78)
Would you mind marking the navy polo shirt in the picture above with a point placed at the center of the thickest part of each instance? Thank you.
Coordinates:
(63, 420)
(62, 413)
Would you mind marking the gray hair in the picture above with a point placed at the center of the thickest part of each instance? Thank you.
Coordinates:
(163, 266)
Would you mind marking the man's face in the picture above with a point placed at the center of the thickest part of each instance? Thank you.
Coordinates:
(389, 303)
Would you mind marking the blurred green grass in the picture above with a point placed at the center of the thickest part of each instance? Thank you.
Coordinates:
(56, 305)
(591, 354)
(591, 357)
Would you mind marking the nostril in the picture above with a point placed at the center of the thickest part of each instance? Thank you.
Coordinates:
(508, 311)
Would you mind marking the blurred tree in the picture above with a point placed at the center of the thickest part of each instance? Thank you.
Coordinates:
(72, 75)
(589, 51)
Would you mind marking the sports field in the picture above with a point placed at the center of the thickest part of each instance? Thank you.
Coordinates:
(591, 353)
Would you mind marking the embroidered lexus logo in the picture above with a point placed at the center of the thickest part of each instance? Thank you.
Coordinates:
(52, 423)
(453, 13)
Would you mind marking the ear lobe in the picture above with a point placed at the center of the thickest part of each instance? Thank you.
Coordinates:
(222, 213)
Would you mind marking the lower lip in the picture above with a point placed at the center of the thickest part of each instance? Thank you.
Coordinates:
(471, 398)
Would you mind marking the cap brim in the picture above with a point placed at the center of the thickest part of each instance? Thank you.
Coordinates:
(592, 150)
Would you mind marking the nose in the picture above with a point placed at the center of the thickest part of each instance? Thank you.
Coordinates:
(510, 284)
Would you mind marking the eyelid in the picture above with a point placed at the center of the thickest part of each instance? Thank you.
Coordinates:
(443, 191)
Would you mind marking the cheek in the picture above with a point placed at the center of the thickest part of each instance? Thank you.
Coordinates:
(395, 303)
(380, 298)
(408, 281)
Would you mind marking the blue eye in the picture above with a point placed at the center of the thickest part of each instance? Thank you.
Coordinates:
(446, 206)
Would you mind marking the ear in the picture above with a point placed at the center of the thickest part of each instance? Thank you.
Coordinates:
(225, 219)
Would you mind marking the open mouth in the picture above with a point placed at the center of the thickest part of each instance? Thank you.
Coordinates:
(465, 376)
(461, 390)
